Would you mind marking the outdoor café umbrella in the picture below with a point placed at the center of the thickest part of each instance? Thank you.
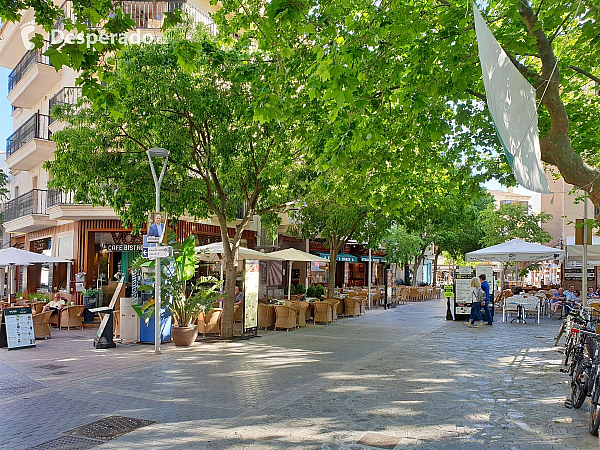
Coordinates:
(11, 257)
(214, 252)
(291, 255)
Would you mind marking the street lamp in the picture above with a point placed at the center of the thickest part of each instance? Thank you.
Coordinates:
(157, 152)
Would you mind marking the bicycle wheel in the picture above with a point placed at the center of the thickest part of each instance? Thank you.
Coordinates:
(594, 410)
(579, 383)
(569, 346)
(561, 330)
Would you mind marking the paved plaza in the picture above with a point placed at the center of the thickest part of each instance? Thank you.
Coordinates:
(402, 378)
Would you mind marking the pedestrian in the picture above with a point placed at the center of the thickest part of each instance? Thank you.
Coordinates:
(485, 287)
(477, 297)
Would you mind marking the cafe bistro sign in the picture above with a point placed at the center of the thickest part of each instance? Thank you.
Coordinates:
(125, 242)
(123, 247)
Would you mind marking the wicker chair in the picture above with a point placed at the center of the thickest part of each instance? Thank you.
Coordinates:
(352, 306)
(308, 311)
(285, 317)
(71, 317)
(37, 307)
(266, 316)
(238, 311)
(301, 308)
(41, 329)
(323, 312)
(334, 307)
(210, 323)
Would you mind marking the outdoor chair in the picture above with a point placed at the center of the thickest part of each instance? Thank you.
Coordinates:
(285, 317)
(41, 329)
(334, 307)
(71, 317)
(210, 323)
(308, 311)
(352, 306)
(323, 312)
(55, 319)
(266, 316)
(531, 305)
(508, 306)
(37, 307)
(301, 309)
(237, 313)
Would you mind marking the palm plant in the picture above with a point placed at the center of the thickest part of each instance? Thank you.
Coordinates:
(177, 272)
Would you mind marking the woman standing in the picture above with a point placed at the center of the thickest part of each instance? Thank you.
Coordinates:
(475, 303)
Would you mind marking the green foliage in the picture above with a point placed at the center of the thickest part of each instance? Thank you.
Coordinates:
(400, 246)
(300, 289)
(90, 292)
(292, 289)
(513, 221)
(311, 291)
(40, 297)
(319, 290)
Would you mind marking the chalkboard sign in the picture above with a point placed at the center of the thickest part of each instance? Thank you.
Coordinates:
(19, 328)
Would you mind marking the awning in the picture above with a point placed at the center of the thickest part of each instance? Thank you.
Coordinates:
(340, 256)
(376, 259)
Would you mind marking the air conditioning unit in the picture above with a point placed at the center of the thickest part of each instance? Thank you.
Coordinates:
(266, 241)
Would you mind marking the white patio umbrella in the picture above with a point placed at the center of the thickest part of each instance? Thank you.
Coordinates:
(11, 257)
(214, 253)
(516, 250)
(291, 255)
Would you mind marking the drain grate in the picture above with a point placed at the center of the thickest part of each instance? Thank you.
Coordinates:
(109, 427)
(67, 443)
(52, 366)
(379, 440)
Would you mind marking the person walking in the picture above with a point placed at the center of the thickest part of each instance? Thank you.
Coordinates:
(476, 300)
(485, 287)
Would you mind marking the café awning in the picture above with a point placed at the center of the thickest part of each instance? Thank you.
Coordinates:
(346, 257)
(516, 250)
(375, 259)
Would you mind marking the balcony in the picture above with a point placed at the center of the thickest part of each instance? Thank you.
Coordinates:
(68, 95)
(149, 14)
(62, 206)
(11, 43)
(30, 145)
(31, 79)
(27, 212)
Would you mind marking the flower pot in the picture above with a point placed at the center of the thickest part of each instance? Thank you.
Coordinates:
(185, 336)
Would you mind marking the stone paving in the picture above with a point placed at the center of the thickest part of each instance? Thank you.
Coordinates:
(403, 377)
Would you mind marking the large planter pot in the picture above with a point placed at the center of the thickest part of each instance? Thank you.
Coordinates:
(185, 336)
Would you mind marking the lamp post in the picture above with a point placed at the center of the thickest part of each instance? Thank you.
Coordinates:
(157, 152)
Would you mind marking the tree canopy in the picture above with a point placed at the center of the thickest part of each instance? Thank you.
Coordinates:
(513, 221)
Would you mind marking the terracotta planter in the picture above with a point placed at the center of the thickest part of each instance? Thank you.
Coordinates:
(185, 336)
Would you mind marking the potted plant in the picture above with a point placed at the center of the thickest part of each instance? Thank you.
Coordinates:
(319, 291)
(89, 296)
(311, 292)
(184, 307)
(300, 290)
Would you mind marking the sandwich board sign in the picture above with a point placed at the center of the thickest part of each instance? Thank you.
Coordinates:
(18, 324)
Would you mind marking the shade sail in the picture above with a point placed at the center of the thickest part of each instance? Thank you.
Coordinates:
(340, 257)
(20, 257)
(511, 100)
(293, 254)
(214, 252)
(516, 250)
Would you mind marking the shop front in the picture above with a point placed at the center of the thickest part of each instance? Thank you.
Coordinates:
(377, 270)
(348, 273)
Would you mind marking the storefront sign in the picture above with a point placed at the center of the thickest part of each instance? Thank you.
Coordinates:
(251, 285)
(19, 328)
(123, 247)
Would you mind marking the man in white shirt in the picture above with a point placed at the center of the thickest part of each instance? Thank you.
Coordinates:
(54, 305)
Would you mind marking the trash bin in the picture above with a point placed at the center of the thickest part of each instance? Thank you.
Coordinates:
(166, 325)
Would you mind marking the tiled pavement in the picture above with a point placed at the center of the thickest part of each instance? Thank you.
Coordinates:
(404, 374)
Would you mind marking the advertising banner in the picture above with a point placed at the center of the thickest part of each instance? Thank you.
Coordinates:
(251, 285)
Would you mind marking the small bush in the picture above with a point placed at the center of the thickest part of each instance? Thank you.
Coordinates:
(300, 288)
(311, 291)
(320, 290)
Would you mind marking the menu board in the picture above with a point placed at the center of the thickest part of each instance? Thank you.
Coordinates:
(19, 328)
(463, 284)
(251, 284)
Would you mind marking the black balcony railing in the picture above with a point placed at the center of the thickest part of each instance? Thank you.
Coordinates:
(33, 202)
(36, 127)
(148, 14)
(67, 95)
(30, 59)
(56, 198)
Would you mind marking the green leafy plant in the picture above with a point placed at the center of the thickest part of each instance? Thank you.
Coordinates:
(320, 290)
(40, 297)
(178, 270)
(90, 292)
(300, 289)
(311, 291)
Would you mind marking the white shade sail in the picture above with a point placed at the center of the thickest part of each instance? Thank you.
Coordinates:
(575, 252)
(18, 257)
(214, 252)
(516, 250)
(292, 254)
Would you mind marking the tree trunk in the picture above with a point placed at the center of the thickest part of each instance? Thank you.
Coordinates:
(435, 265)
(556, 145)
(228, 302)
(418, 261)
(332, 265)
